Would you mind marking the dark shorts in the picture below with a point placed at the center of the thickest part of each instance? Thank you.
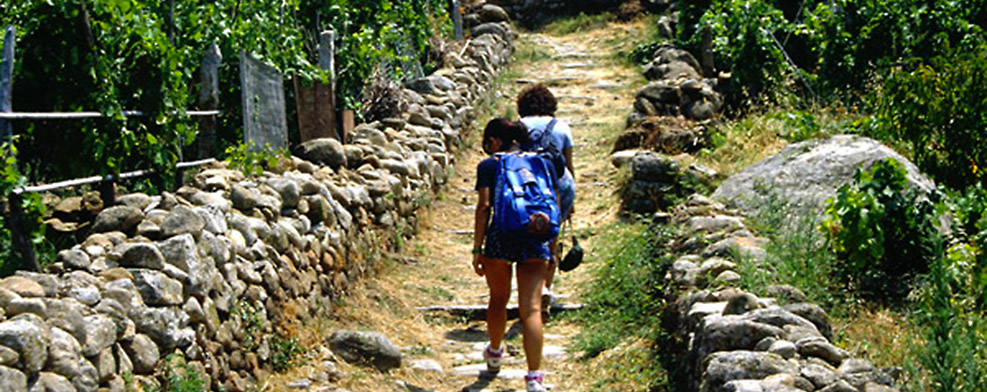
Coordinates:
(499, 246)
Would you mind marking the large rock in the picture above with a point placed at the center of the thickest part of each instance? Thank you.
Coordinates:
(326, 150)
(143, 353)
(12, 380)
(366, 348)
(804, 175)
(182, 252)
(723, 367)
(28, 335)
(182, 220)
(118, 218)
(140, 255)
(157, 288)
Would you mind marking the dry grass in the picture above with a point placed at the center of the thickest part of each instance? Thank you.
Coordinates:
(883, 336)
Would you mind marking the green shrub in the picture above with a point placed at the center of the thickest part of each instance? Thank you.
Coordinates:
(743, 42)
(939, 109)
(285, 352)
(180, 376)
(882, 232)
(109, 56)
(250, 160)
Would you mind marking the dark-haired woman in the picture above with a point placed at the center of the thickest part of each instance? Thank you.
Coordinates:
(494, 254)
(537, 105)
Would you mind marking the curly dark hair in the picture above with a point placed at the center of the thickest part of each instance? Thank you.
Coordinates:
(536, 100)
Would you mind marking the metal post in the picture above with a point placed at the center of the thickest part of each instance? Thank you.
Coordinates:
(457, 20)
(209, 98)
(6, 89)
(327, 55)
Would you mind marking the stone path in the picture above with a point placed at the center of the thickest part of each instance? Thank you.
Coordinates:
(442, 349)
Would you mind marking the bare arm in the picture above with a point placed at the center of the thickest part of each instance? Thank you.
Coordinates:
(568, 161)
(480, 220)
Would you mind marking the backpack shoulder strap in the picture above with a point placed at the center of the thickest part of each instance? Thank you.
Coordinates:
(551, 125)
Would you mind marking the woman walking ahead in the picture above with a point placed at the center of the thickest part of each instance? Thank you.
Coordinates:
(494, 253)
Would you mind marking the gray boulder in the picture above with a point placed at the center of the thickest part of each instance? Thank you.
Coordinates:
(13, 380)
(51, 382)
(326, 150)
(723, 367)
(140, 255)
(804, 175)
(142, 352)
(74, 259)
(28, 335)
(156, 288)
(182, 220)
(490, 13)
(117, 218)
(370, 348)
(182, 252)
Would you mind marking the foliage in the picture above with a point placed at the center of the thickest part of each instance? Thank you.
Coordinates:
(854, 39)
(250, 160)
(796, 256)
(253, 323)
(940, 109)
(285, 352)
(180, 376)
(115, 55)
(882, 231)
(29, 208)
(743, 37)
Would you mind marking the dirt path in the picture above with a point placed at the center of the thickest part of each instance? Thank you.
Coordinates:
(442, 351)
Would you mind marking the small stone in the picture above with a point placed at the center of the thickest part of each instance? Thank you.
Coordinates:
(143, 353)
(12, 379)
(74, 259)
(300, 384)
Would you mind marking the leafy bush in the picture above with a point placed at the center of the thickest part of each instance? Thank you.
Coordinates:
(28, 210)
(940, 109)
(285, 352)
(250, 160)
(882, 232)
(130, 54)
(743, 41)
(180, 376)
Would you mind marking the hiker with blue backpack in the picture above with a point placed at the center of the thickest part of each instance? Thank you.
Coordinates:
(537, 105)
(517, 219)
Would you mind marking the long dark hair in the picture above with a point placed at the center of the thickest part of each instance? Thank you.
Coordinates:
(509, 132)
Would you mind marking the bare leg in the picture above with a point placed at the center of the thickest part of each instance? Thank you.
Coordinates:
(530, 279)
(498, 275)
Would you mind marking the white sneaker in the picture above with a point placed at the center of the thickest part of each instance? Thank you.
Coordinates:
(547, 300)
(495, 359)
(534, 383)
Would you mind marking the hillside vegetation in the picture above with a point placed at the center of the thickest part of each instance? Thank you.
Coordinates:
(907, 73)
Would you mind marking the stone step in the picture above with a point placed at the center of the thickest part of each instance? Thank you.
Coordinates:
(479, 312)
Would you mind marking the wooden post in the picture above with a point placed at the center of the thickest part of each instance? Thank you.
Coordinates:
(709, 68)
(349, 122)
(457, 20)
(20, 240)
(208, 99)
(6, 89)
(327, 61)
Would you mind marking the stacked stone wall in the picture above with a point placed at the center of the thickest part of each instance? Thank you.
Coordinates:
(218, 268)
(735, 341)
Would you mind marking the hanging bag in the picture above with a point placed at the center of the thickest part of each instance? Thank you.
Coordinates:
(574, 256)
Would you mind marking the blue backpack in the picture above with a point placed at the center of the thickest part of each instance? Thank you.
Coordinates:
(525, 205)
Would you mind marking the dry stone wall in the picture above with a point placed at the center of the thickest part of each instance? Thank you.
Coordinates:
(214, 270)
(735, 341)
